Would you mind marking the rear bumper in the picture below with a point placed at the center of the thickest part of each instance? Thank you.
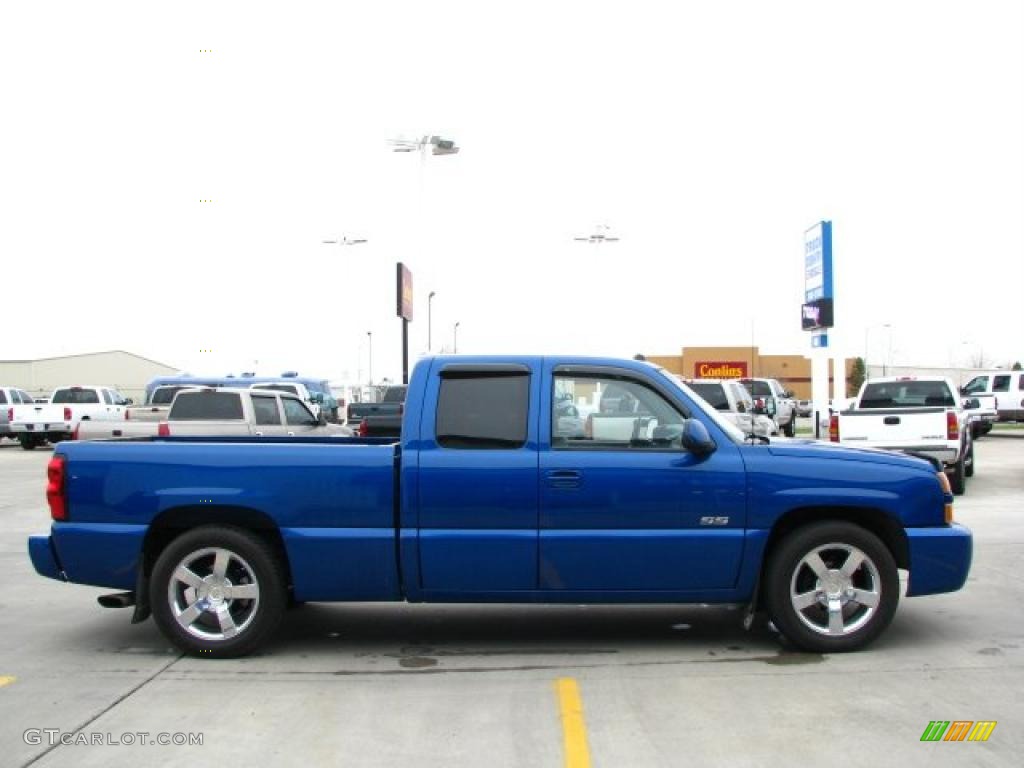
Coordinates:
(940, 559)
(44, 558)
(40, 427)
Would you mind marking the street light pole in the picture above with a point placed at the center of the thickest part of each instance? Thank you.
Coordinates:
(430, 306)
(369, 336)
(455, 345)
(867, 332)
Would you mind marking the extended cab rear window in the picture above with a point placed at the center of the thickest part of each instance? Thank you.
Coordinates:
(210, 406)
(482, 411)
(906, 394)
(75, 396)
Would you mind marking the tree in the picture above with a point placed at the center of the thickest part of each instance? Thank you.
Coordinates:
(857, 376)
(1017, 366)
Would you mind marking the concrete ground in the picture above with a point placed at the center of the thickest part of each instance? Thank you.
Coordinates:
(397, 685)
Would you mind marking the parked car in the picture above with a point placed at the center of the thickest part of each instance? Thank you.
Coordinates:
(479, 503)
(731, 399)
(57, 420)
(10, 397)
(772, 398)
(391, 404)
(804, 407)
(1008, 389)
(223, 411)
(313, 400)
(918, 415)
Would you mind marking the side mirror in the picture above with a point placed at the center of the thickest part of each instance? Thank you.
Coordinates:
(963, 390)
(128, 401)
(316, 397)
(696, 439)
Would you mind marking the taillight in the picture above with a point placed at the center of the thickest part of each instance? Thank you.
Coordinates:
(952, 426)
(833, 428)
(67, 413)
(163, 430)
(74, 432)
(364, 430)
(127, 415)
(55, 488)
(10, 414)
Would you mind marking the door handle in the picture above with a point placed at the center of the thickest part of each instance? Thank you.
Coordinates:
(564, 478)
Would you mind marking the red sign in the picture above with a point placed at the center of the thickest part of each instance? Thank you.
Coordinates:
(404, 292)
(720, 370)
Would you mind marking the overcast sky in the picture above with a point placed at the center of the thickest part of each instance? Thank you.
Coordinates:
(707, 136)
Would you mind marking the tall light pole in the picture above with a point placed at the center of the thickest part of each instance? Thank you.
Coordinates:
(455, 344)
(369, 336)
(430, 306)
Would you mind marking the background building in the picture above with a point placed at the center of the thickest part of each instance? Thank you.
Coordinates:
(794, 371)
(124, 371)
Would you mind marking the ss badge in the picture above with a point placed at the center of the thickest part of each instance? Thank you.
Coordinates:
(714, 521)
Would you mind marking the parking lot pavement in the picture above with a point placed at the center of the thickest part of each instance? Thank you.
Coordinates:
(399, 685)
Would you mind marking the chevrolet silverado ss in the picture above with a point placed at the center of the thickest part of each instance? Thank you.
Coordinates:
(488, 498)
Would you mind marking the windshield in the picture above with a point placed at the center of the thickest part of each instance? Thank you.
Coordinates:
(394, 395)
(725, 425)
(714, 394)
(164, 395)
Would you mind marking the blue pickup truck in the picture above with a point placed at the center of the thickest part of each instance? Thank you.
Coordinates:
(516, 479)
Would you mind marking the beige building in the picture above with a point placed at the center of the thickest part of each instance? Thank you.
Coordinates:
(124, 371)
(794, 371)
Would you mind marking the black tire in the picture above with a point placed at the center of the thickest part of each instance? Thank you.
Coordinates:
(833, 541)
(958, 476)
(29, 442)
(250, 562)
(790, 429)
(969, 466)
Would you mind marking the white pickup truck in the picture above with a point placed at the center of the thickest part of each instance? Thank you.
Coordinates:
(226, 411)
(913, 415)
(35, 424)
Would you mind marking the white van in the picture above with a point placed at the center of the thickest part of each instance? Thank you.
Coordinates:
(1007, 386)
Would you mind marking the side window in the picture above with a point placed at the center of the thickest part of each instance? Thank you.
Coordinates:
(3, 397)
(975, 385)
(265, 410)
(1020, 382)
(106, 396)
(296, 414)
(611, 413)
(1000, 383)
(483, 411)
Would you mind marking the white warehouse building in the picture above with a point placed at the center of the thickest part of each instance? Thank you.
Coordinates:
(126, 372)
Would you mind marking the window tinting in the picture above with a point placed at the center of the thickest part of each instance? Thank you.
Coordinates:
(906, 394)
(483, 411)
(296, 414)
(208, 406)
(977, 384)
(3, 397)
(75, 397)
(713, 393)
(1000, 383)
(757, 388)
(265, 409)
(106, 396)
(164, 395)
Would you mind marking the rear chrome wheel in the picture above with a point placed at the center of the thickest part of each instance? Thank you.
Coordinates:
(217, 591)
(831, 586)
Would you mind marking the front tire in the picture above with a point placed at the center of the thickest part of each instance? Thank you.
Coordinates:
(218, 591)
(831, 587)
(969, 466)
(958, 476)
(790, 429)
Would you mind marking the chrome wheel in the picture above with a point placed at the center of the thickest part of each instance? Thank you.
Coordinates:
(835, 589)
(213, 594)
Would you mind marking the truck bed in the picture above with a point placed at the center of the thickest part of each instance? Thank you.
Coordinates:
(341, 489)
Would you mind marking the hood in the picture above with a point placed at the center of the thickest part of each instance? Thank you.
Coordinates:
(796, 447)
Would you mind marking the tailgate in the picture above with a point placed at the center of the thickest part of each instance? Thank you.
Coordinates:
(148, 412)
(38, 414)
(893, 427)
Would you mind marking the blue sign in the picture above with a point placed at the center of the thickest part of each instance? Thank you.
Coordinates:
(819, 341)
(818, 262)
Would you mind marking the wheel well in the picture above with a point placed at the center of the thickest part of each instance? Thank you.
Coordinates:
(874, 520)
(171, 523)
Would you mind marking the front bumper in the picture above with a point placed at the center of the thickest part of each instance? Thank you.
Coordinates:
(940, 559)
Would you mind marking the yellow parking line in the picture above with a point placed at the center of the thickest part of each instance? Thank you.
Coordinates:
(6, 680)
(574, 729)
